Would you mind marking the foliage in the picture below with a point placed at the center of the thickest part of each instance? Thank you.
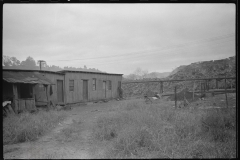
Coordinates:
(137, 130)
(30, 64)
(144, 74)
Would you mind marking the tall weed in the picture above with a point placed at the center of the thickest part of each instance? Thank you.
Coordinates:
(138, 130)
(28, 127)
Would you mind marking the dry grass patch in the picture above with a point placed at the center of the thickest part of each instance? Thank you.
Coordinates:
(137, 130)
(28, 127)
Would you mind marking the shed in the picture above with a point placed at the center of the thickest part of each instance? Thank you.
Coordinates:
(84, 86)
(33, 87)
(18, 87)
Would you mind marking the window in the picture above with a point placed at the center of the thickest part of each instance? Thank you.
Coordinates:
(94, 83)
(109, 85)
(71, 85)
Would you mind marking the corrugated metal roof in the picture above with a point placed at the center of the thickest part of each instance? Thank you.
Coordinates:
(25, 77)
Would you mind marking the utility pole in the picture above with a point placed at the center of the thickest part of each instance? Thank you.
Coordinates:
(40, 63)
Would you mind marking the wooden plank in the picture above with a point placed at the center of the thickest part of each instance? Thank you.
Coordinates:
(21, 105)
(28, 104)
(33, 104)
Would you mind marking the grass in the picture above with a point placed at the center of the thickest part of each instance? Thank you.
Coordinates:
(29, 127)
(70, 133)
(137, 130)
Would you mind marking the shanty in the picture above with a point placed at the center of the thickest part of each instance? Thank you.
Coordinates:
(26, 89)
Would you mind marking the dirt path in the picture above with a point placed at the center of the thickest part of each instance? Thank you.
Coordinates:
(56, 145)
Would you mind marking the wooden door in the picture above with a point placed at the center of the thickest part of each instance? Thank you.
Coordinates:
(105, 88)
(85, 90)
(60, 90)
(119, 87)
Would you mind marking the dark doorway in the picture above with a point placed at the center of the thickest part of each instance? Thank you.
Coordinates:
(25, 90)
(60, 90)
(85, 90)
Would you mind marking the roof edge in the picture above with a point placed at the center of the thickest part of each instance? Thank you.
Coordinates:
(64, 71)
(23, 70)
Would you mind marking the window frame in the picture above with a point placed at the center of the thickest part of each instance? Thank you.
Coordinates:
(94, 84)
(71, 84)
(109, 85)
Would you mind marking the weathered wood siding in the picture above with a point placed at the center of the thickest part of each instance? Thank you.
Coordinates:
(53, 77)
(77, 95)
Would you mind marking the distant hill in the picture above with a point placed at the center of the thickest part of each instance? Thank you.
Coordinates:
(205, 69)
(158, 75)
(152, 75)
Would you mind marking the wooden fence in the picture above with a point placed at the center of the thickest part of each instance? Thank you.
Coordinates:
(204, 86)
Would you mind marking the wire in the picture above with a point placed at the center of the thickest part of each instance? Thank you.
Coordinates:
(156, 50)
(153, 54)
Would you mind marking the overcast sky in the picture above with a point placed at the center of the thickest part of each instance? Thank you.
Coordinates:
(118, 38)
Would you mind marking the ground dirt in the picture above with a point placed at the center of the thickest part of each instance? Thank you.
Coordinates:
(56, 145)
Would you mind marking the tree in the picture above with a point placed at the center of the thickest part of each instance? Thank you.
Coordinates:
(140, 73)
(29, 63)
(131, 76)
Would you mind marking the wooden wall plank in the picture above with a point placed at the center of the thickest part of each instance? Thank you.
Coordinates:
(21, 105)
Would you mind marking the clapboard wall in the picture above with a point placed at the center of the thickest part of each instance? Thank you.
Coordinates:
(54, 77)
(76, 95)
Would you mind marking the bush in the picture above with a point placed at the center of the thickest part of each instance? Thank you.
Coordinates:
(28, 127)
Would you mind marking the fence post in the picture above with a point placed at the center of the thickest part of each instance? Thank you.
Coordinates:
(161, 87)
(216, 83)
(193, 90)
(175, 93)
(226, 93)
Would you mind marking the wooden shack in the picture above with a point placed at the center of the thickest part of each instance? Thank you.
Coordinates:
(83, 86)
(19, 87)
(30, 88)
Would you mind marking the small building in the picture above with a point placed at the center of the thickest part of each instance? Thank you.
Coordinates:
(29, 88)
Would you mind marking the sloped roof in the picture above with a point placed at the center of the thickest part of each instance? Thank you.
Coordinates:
(25, 77)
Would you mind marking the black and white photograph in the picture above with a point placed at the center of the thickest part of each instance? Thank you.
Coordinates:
(119, 80)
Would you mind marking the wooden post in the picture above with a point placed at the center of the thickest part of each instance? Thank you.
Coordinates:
(175, 93)
(216, 84)
(15, 97)
(161, 87)
(205, 85)
(193, 90)
(226, 93)
(48, 104)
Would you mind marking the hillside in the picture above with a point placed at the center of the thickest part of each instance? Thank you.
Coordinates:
(205, 69)
(150, 75)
